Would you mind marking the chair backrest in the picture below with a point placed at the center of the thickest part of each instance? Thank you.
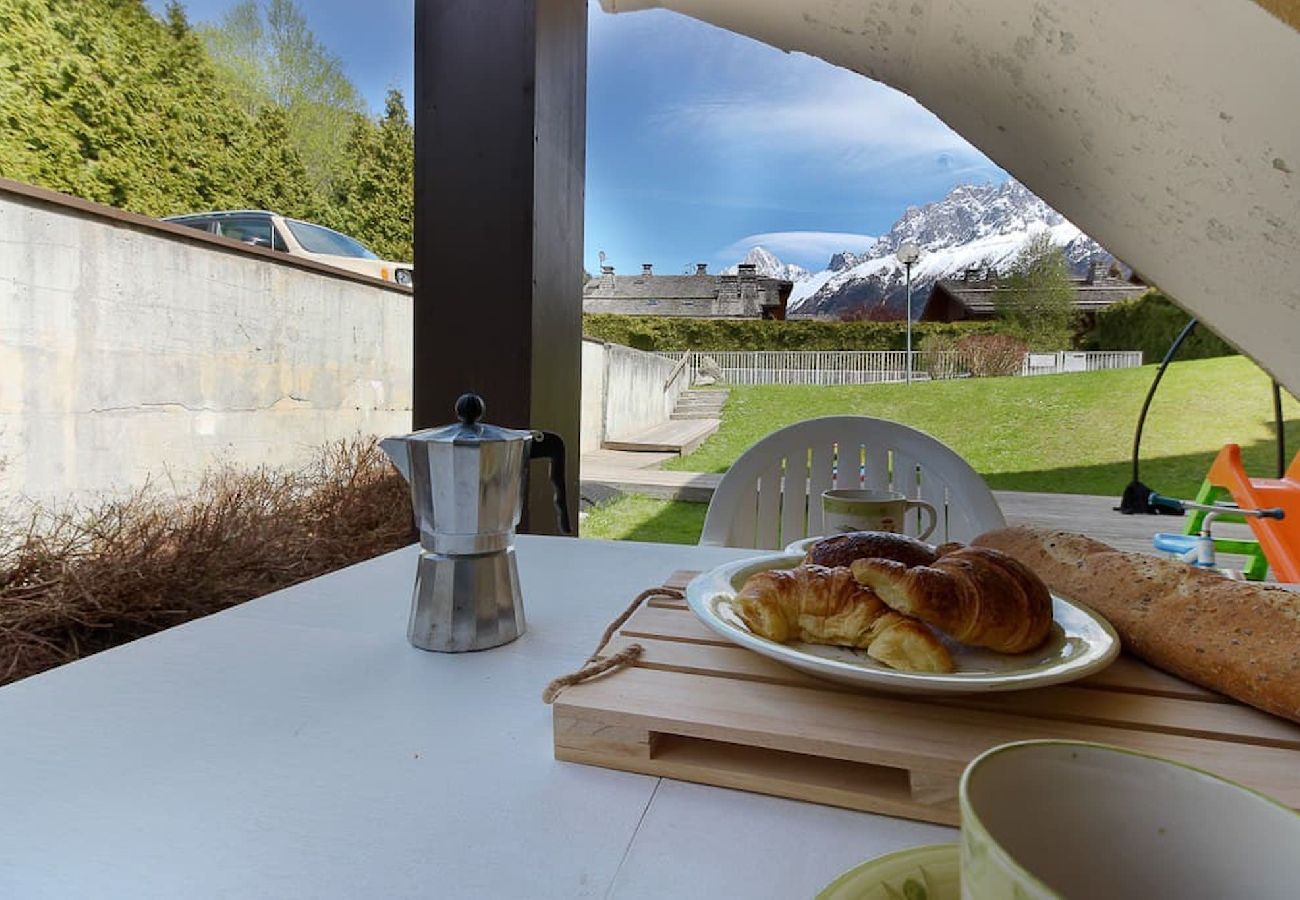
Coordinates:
(772, 494)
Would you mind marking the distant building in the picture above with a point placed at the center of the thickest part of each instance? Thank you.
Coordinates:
(971, 295)
(745, 295)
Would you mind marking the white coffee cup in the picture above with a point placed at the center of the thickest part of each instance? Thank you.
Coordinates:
(853, 510)
(1047, 819)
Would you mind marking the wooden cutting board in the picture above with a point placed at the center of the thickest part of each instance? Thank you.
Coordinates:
(698, 708)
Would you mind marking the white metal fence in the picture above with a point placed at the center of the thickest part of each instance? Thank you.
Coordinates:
(1079, 361)
(826, 367)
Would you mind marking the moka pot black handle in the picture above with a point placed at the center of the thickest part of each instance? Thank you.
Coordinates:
(549, 445)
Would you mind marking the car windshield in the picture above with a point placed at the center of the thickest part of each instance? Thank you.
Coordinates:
(316, 239)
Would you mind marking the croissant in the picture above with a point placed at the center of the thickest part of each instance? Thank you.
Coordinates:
(820, 605)
(977, 595)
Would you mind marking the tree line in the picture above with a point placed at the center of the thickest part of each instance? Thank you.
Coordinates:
(100, 99)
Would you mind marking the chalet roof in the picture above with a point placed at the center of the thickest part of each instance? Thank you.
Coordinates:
(675, 287)
(664, 287)
(977, 295)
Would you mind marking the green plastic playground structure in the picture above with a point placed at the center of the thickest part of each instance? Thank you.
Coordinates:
(1256, 568)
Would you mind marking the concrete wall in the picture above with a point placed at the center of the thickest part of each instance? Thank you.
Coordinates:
(593, 394)
(134, 351)
(623, 391)
(131, 350)
(635, 398)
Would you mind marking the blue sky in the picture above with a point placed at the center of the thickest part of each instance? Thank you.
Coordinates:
(703, 143)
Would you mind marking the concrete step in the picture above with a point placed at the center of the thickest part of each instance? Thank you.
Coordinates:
(694, 487)
(693, 414)
(624, 460)
(679, 436)
(699, 404)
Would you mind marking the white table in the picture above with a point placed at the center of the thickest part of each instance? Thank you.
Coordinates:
(297, 746)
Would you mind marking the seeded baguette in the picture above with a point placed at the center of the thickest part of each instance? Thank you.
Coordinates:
(1239, 638)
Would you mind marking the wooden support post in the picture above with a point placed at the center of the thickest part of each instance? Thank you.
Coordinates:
(500, 156)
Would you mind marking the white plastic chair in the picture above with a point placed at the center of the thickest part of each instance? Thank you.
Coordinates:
(771, 495)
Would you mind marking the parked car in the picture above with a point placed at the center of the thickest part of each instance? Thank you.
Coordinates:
(297, 238)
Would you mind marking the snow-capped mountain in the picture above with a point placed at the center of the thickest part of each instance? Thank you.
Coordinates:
(766, 263)
(975, 226)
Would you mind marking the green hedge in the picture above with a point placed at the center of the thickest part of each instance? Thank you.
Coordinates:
(1150, 323)
(683, 333)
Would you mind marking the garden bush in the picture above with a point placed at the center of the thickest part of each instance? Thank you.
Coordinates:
(1150, 323)
(939, 357)
(990, 355)
(80, 580)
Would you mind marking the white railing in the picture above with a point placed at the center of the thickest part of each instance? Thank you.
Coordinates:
(683, 365)
(829, 367)
(1078, 361)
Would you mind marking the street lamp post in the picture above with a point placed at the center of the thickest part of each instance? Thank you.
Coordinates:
(908, 254)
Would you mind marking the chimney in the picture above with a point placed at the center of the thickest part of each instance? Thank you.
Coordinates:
(701, 268)
(971, 273)
(607, 277)
(747, 279)
(1096, 270)
(647, 269)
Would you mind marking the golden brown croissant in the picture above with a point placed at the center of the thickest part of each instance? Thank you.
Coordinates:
(819, 605)
(842, 549)
(977, 595)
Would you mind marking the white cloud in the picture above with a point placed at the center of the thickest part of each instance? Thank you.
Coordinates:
(811, 109)
(799, 245)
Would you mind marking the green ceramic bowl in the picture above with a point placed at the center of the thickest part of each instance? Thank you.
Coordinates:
(917, 873)
(1048, 819)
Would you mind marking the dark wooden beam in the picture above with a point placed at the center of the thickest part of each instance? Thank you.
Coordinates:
(500, 158)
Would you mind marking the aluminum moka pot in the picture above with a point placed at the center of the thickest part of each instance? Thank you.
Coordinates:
(468, 483)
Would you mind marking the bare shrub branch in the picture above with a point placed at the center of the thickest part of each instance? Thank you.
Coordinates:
(77, 581)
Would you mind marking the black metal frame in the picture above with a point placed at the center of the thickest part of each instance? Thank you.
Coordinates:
(1137, 497)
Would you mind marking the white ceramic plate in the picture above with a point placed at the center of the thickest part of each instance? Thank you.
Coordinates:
(1081, 643)
(801, 546)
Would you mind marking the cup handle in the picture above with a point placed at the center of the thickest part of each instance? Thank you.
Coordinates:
(934, 516)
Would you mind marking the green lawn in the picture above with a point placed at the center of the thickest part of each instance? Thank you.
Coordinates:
(1053, 433)
(637, 518)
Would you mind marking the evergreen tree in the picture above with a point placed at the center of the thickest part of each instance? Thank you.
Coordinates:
(101, 100)
(278, 179)
(375, 201)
